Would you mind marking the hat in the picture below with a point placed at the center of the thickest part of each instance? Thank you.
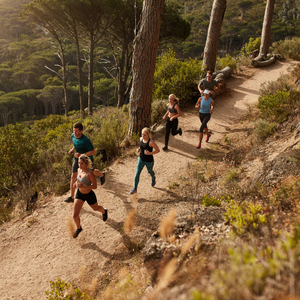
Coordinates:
(206, 92)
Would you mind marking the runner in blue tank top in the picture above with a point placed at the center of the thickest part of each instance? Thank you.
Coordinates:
(206, 105)
(145, 159)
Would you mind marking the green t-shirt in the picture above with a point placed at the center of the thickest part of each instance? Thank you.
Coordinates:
(82, 145)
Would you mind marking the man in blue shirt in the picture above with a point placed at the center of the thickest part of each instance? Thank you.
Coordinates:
(81, 145)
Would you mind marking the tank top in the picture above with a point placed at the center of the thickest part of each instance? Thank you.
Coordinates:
(205, 105)
(172, 110)
(83, 180)
(143, 147)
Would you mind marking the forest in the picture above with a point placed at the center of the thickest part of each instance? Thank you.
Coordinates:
(33, 51)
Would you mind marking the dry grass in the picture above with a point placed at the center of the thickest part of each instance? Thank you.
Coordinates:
(167, 225)
(70, 226)
(130, 221)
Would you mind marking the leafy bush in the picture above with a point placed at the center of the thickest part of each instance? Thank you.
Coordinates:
(287, 195)
(251, 273)
(278, 106)
(264, 129)
(226, 61)
(212, 201)
(288, 48)
(252, 45)
(158, 109)
(272, 87)
(112, 132)
(60, 290)
(175, 77)
(245, 217)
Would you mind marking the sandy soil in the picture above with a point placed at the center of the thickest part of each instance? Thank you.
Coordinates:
(39, 248)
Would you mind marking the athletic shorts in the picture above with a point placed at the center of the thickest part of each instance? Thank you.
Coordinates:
(90, 197)
(75, 166)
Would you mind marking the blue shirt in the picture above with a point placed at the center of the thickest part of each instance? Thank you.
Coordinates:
(205, 105)
(82, 145)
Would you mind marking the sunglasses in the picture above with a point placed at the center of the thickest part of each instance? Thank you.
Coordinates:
(208, 76)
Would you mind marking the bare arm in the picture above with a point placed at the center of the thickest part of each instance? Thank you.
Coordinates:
(154, 146)
(89, 153)
(212, 105)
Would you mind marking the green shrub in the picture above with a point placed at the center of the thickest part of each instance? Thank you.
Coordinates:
(60, 290)
(272, 87)
(245, 217)
(212, 201)
(112, 132)
(288, 48)
(226, 61)
(277, 107)
(175, 77)
(158, 109)
(287, 196)
(252, 45)
(264, 129)
(257, 271)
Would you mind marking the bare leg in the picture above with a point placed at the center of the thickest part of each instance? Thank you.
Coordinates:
(76, 210)
(97, 207)
(206, 131)
(73, 180)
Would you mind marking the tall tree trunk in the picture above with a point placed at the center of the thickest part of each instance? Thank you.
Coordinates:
(91, 76)
(80, 88)
(266, 30)
(64, 78)
(143, 65)
(214, 29)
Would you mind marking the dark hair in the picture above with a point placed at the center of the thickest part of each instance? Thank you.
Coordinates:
(209, 72)
(78, 125)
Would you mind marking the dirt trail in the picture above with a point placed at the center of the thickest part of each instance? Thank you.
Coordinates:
(32, 254)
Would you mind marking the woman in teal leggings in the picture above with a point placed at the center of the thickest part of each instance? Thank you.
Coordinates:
(145, 159)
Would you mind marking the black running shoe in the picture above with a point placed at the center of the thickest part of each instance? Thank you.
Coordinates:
(104, 215)
(102, 179)
(75, 235)
(165, 148)
(69, 200)
(180, 131)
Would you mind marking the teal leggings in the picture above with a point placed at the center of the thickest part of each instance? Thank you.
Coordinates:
(139, 167)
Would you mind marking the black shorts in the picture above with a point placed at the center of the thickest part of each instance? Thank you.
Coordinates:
(75, 166)
(90, 197)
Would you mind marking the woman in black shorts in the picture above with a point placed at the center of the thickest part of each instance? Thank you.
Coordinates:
(171, 116)
(86, 183)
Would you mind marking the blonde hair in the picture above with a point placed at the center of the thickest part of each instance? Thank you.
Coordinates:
(176, 100)
(147, 130)
(86, 160)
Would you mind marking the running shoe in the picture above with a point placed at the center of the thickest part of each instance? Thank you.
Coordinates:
(207, 138)
(153, 183)
(165, 148)
(104, 215)
(133, 191)
(69, 200)
(75, 235)
(199, 146)
(102, 179)
(180, 131)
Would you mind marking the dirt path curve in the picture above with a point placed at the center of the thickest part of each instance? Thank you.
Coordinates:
(33, 253)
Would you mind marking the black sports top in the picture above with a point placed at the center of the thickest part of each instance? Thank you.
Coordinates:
(143, 147)
(172, 110)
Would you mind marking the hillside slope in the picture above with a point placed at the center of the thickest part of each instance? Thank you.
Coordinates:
(38, 248)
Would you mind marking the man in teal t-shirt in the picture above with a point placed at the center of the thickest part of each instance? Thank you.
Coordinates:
(81, 145)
